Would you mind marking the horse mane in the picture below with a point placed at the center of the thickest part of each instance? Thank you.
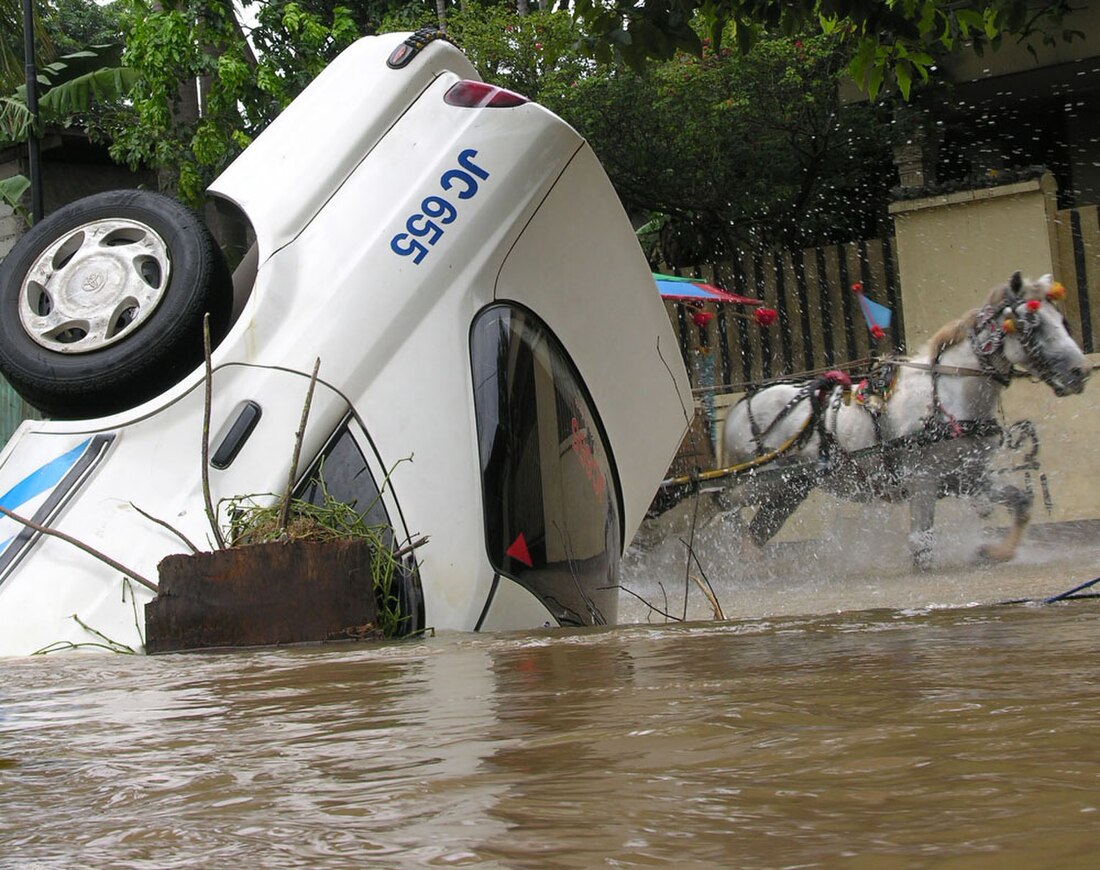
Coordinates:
(955, 331)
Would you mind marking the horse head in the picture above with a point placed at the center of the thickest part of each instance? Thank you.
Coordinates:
(1022, 325)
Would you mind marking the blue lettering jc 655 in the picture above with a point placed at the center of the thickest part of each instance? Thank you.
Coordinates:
(426, 227)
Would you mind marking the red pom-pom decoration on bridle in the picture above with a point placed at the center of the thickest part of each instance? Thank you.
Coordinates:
(1033, 304)
(765, 316)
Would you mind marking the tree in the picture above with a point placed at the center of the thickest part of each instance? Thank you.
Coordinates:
(88, 38)
(715, 152)
(728, 150)
(70, 90)
(534, 53)
(889, 40)
(76, 24)
(202, 94)
(12, 71)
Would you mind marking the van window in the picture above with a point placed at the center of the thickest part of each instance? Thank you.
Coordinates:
(551, 497)
(342, 472)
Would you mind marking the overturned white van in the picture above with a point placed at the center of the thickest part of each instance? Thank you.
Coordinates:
(457, 260)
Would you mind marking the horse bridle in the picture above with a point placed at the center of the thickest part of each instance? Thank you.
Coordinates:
(987, 337)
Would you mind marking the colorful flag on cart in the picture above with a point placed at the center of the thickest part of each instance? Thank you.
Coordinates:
(694, 290)
(877, 316)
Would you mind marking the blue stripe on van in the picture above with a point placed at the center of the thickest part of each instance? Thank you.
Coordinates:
(42, 478)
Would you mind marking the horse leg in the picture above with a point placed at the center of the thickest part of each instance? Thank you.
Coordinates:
(922, 513)
(774, 511)
(1018, 501)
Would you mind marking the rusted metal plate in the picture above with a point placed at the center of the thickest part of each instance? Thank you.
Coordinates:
(263, 595)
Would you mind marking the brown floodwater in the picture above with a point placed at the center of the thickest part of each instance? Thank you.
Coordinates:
(906, 730)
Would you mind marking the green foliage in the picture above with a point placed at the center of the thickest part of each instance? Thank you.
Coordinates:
(68, 90)
(730, 150)
(76, 24)
(295, 44)
(12, 71)
(11, 194)
(891, 41)
(534, 54)
(177, 48)
(716, 152)
(61, 27)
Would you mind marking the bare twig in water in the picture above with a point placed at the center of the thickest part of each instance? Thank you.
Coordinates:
(208, 393)
(709, 592)
(117, 645)
(80, 545)
(168, 526)
(657, 610)
(134, 604)
(61, 645)
(284, 510)
(109, 644)
(709, 595)
(690, 546)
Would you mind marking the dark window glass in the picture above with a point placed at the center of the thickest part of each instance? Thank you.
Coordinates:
(345, 476)
(551, 497)
(341, 470)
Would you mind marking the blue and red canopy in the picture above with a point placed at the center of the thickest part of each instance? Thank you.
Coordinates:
(694, 290)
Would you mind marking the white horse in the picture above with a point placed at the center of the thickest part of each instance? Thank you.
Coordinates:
(925, 431)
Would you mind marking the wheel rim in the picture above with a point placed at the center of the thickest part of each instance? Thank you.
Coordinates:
(94, 286)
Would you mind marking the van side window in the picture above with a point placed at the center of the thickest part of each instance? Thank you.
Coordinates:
(343, 470)
(551, 496)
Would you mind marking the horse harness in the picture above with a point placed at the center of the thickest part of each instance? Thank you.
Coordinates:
(873, 393)
(828, 390)
(814, 390)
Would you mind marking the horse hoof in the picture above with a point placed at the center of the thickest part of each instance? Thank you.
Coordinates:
(750, 549)
(995, 553)
(920, 544)
(922, 562)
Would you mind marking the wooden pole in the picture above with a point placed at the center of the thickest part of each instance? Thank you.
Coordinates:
(34, 167)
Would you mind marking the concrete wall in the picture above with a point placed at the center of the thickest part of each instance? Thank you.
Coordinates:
(953, 249)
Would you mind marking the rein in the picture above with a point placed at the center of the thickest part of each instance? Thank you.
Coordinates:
(954, 371)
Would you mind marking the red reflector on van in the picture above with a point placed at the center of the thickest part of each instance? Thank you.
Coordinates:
(471, 95)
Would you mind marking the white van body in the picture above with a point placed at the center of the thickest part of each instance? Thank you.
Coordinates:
(530, 231)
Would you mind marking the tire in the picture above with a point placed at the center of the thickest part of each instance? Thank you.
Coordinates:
(102, 303)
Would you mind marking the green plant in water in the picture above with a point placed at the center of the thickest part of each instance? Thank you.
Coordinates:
(105, 643)
(331, 520)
